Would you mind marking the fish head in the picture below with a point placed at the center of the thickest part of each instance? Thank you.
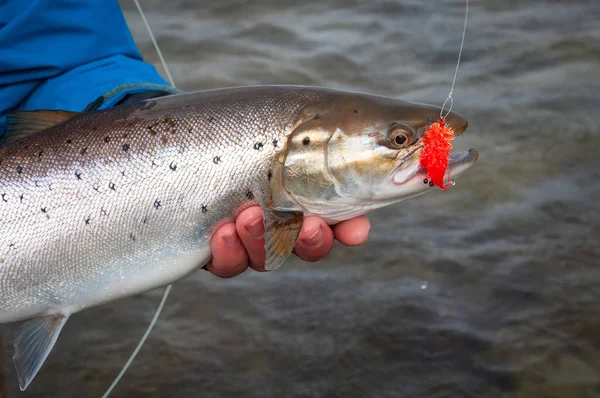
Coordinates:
(357, 152)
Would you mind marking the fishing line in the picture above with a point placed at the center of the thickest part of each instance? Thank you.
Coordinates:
(443, 115)
(462, 43)
(168, 289)
(162, 59)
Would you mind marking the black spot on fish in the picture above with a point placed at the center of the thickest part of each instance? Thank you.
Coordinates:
(84, 150)
(258, 146)
(425, 181)
(78, 175)
(145, 220)
(11, 245)
(103, 211)
(19, 169)
(173, 166)
(431, 183)
(204, 209)
(50, 186)
(132, 237)
(123, 173)
(125, 147)
(4, 197)
(151, 130)
(216, 159)
(355, 111)
(249, 194)
(36, 183)
(275, 144)
(306, 141)
(270, 174)
(44, 210)
(112, 186)
(96, 188)
(211, 119)
(69, 141)
(171, 124)
(21, 197)
(87, 220)
(40, 154)
(107, 139)
(157, 204)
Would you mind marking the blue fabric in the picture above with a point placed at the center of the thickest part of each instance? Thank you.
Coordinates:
(64, 54)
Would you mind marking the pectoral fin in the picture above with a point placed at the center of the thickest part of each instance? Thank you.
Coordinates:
(33, 344)
(281, 232)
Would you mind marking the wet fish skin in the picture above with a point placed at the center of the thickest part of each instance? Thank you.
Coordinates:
(112, 203)
(116, 202)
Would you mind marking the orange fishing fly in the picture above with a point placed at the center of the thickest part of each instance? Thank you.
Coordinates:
(437, 144)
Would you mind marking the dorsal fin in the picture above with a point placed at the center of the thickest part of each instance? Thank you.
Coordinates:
(25, 123)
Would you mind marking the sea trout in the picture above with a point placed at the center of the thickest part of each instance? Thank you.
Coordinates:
(98, 206)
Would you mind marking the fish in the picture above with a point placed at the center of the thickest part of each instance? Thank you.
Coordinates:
(102, 205)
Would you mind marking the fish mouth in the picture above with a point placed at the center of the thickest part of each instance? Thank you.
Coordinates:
(461, 158)
(457, 164)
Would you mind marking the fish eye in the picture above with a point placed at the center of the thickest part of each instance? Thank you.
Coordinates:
(400, 139)
(400, 136)
(430, 120)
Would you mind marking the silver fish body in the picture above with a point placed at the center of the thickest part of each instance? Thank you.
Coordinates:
(115, 203)
(111, 203)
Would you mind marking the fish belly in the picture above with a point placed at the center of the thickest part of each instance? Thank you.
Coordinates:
(133, 278)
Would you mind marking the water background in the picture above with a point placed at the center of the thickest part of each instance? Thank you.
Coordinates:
(490, 289)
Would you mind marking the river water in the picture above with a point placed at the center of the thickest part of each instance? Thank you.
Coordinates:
(490, 289)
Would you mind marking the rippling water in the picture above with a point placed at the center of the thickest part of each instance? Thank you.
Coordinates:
(491, 289)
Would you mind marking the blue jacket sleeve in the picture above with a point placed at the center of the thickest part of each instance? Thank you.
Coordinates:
(64, 54)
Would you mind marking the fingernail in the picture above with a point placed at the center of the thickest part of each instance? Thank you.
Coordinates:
(232, 240)
(256, 229)
(315, 239)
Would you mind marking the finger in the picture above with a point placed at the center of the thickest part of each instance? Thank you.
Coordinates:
(315, 240)
(229, 256)
(251, 230)
(353, 232)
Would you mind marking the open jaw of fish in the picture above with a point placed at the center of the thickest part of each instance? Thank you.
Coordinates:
(414, 177)
(103, 205)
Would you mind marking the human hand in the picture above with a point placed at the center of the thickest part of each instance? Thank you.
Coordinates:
(237, 246)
